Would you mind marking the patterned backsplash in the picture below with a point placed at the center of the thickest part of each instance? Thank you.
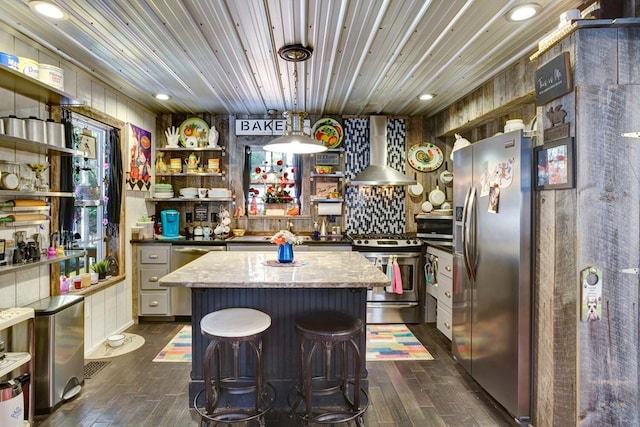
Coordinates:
(374, 209)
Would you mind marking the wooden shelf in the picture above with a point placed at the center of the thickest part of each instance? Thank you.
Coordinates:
(17, 82)
(190, 199)
(218, 148)
(21, 144)
(10, 268)
(34, 194)
(190, 174)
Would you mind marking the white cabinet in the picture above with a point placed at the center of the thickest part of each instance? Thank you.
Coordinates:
(153, 263)
(19, 354)
(440, 286)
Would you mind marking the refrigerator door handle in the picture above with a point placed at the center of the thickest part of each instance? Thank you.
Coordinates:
(467, 230)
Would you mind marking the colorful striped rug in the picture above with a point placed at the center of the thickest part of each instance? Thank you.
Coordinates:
(178, 349)
(394, 342)
(384, 343)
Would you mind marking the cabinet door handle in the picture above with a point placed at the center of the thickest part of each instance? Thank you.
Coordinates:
(447, 294)
(153, 256)
(153, 304)
(153, 279)
(447, 325)
(447, 267)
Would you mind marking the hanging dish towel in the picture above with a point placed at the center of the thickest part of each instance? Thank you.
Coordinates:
(390, 274)
(397, 277)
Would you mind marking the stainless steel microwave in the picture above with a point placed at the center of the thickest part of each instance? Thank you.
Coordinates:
(435, 228)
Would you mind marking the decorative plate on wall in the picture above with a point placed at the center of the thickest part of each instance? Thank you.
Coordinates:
(425, 157)
(194, 127)
(328, 131)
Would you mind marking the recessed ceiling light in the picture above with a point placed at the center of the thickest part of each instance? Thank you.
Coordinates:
(48, 9)
(162, 96)
(523, 12)
(426, 96)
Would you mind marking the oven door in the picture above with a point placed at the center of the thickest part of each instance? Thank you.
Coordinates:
(384, 306)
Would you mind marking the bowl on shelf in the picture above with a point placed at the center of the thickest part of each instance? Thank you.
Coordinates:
(324, 169)
(116, 340)
(238, 232)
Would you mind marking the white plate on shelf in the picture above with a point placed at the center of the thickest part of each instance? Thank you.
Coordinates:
(442, 211)
(164, 195)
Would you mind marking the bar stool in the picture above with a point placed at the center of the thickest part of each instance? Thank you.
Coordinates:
(233, 326)
(329, 330)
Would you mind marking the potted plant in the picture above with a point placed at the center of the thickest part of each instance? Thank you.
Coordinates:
(100, 267)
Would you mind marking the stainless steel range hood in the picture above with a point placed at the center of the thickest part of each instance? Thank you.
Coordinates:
(378, 173)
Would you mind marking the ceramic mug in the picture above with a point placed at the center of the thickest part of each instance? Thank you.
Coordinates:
(202, 192)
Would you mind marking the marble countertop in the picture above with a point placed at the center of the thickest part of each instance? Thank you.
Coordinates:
(253, 270)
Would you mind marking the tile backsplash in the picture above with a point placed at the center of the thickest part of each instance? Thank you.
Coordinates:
(374, 209)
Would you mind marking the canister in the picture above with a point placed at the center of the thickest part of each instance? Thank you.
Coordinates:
(10, 61)
(36, 129)
(55, 133)
(14, 126)
(52, 76)
(146, 230)
(29, 67)
(514, 124)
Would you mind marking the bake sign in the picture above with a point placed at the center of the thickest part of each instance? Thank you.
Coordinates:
(265, 126)
(553, 79)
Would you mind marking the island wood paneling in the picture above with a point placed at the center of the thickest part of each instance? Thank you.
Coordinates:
(284, 305)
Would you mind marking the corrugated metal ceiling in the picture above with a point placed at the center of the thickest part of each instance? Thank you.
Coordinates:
(220, 56)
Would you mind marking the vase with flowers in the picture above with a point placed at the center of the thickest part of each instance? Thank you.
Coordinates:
(285, 241)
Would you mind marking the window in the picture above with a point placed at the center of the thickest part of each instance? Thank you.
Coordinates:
(88, 180)
(272, 179)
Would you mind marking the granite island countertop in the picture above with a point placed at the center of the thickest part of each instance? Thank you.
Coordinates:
(251, 270)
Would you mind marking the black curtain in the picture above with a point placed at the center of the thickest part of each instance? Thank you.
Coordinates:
(66, 178)
(298, 163)
(114, 188)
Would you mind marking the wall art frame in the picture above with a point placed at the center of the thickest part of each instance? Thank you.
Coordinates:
(554, 167)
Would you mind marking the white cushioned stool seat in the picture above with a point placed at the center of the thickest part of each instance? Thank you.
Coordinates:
(235, 322)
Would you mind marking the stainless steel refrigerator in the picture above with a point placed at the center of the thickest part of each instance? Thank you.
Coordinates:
(492, 272)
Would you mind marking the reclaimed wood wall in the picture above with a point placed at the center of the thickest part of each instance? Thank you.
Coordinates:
(587, 372)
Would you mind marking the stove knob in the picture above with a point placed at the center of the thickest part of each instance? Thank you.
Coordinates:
(409, 242)
(366, 242)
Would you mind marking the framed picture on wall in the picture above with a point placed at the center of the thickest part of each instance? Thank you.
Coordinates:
(554, 165)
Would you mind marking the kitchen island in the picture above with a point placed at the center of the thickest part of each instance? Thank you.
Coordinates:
(318, 281)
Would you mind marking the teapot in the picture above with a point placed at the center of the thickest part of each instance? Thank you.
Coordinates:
(193, 161)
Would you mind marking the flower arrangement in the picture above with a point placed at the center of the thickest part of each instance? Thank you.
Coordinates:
(285, 236)
(275, 183)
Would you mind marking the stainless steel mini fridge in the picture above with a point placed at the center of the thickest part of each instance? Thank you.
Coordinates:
(59, 350)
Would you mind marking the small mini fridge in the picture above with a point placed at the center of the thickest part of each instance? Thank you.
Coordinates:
(59, 350)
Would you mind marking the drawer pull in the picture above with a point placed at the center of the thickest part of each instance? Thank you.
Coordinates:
(447, 325)
(447, 267)
(153, 279)
(153, 304)
(447, 294)
(153, 256)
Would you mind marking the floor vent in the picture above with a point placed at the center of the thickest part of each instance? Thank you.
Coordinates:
(91, 369)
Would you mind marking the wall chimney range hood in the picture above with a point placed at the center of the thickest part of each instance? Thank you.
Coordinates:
(378, 173)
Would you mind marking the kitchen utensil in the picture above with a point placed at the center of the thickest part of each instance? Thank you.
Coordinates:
(196, 128)
(416, 190)
(329, 131)
(55, 133)
(116, 340)
(446, 176)
(425, 157)
(14, 126)
(437, 196)
(427, 207)
(460, 143)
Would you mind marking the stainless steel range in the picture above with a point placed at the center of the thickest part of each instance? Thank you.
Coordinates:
(387, 305)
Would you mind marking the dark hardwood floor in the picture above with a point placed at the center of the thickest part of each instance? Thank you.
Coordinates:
(134, 391)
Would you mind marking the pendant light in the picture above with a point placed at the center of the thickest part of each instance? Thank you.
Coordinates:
(293, 139)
